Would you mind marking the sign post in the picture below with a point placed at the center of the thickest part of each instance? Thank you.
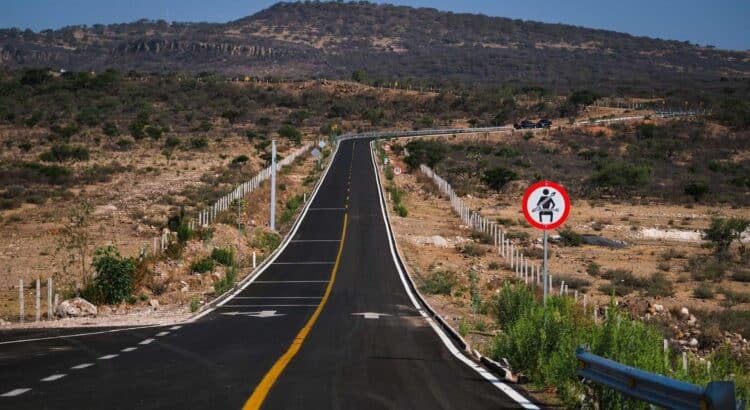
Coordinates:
(546, 206)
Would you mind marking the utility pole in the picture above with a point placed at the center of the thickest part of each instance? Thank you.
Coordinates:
(273, 186)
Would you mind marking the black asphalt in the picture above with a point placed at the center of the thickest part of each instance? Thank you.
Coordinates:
(346, 361)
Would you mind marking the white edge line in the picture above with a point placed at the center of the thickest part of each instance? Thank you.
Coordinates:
(509, 391)
(268, 262)
(15, 392)
(80, 334)
(53, 377)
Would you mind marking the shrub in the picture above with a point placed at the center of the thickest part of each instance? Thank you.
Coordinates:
(202, 266)
(593, 268)
(223, 256)
(496, 178)
(172, 142)
(267, 241)
(110, 129)
(184, 233)
(697, 190)
(713, 271)
(65, 152)
(389, 172)
(439, 283)
(493, 266)
(574, 282)
(658, 285)
(240, 159)
(723, 232)
(124, 144)
(401, 210)
(482, 237)
(622, 282)
(226, 283)
(291, 133)
(569, 237)
(198, 142)
(741, 276)
(114, 276)
(472, 249)
(517, 235)
(703, 291)
(426, 152)
(732, 297)
(621, 175)
(195, 304)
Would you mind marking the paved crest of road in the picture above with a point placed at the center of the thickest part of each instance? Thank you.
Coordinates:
(254, 349)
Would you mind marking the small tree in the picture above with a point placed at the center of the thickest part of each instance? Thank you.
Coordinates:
(114, 279)
(723, 232)
(697, 190)
(76, 237)
(497, 177)
(291, 133)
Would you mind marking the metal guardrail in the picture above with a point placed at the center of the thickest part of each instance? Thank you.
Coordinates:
(655, 388)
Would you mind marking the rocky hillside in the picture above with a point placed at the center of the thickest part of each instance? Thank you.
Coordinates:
(304, 40)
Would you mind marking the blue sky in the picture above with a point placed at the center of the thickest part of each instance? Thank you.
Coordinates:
(723, 23)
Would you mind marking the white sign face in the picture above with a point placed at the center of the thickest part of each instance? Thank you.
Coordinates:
(397, 171)
(315, 153)
(546, 205)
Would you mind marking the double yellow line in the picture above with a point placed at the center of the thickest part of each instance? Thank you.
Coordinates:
(260, 393)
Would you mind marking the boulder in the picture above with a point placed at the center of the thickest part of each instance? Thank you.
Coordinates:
(76, 307)
(684, 313)
(693, 342)
(439, 241)
(153, 303)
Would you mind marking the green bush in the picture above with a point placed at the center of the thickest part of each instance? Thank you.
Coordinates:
(114, 276)
(199, 142)
(202, 266)
(240, 159)
(223, 256)
(172, 142)
(593, 268)
(658, 285)
(723, 232)
(426, 152)
(65, 152)
(195, 304)
(621, 282)
(401, 210)
(713, 271)
(291, 133)
(268, 241)
(540, 342)
(472, 249)
(621, 175)
(226, 283)
(497, 177)
(741, 276)
(389, 173)
(439, 283)
(697, 190)
(703, 291)
(184, 233)
(569, 237)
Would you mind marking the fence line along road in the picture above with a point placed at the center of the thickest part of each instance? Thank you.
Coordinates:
(208, 215)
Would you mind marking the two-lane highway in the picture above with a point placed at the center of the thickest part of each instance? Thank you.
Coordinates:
(329, 324)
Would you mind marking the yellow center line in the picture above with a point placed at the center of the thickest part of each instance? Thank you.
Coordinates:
(261, 391)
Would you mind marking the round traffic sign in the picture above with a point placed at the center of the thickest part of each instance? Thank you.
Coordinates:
(397, 171)
(546, 205)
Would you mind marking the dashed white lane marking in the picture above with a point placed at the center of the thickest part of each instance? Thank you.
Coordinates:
(82, 366)
(291, 281)
(53, 377)
(302, 263)
(175, 327)
(15, 392)
(128, 349)
(257, 306)
(162, 334)
(278, 297)
(109, 356)
(145, 342)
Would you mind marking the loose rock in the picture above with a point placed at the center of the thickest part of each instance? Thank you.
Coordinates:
(76, 307)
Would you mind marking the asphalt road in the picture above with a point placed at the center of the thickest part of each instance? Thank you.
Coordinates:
(295, 338)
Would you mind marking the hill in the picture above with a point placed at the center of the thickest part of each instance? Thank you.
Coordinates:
(391, 43)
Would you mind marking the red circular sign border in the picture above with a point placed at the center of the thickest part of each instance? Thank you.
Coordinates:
(531, 220)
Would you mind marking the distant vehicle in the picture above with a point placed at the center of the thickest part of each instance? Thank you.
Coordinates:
(544, 123)
(525, 124)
